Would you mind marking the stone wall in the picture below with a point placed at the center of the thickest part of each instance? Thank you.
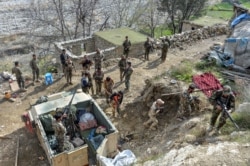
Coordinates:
(188, 26)
(112, 51)
(189, 37)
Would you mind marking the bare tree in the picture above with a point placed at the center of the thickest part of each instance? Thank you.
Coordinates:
(151, 17)
(67, 19)
(180, 10)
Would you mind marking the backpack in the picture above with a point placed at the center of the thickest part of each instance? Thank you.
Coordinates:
(84, 82)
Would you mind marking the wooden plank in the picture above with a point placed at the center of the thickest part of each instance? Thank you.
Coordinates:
(102, 149)
(60, 160)
(14, 86)
(78, 157)
(112, 144)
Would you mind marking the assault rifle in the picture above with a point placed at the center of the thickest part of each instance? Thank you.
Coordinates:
(224, 109)
(69, 122)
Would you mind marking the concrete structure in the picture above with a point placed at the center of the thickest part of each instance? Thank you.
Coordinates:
(109, 42)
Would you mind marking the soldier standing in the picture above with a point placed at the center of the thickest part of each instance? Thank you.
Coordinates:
(35, 69)
(68, 70)
(63, 58)
(127, 74)
(60, 131)
(164, 50)
(98, 76)
(126, 46)
(122, 65)
(154, 110)
(20, 80)
(186, 103)
(98, 57)
(147, 46)
(86, 63)
(219, 98)
(108, 87)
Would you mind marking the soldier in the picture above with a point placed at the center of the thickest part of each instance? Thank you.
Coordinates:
(63, 58)
(68, 71)
(187, 103)
(154, 110)
(85, 82)
(90, 82)
(108, 86)
(218, 98)
(98, 57)
(20, 80)
(122, 65)
(98, 76)
(127, 74)
(147, 46)
(35, 69)
(126, 46)
(116, 101)
(164, 50)
(86, 63)
(60, 131)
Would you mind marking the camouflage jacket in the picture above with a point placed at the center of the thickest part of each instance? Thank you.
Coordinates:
(147, 45)
(122, 64)
(98, 57)
(60, 130)
(217, 97)
(128, 72)
(126, 45)
(33, 64)
(185, 100)
(17, 72)
(98, 76)
(165, 46)
(108, 85)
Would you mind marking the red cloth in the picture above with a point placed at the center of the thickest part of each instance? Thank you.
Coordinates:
(207, 83)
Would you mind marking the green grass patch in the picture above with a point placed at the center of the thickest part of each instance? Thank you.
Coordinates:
(183, 72)
(117, 36)
(242, 119)
(224, 15)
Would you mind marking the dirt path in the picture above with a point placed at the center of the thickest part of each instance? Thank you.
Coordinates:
(30, 151)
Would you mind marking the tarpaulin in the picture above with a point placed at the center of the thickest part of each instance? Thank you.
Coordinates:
(240, 18)
(207, 83)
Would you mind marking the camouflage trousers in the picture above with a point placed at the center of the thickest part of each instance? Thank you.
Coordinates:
(121, 73)
(214, 117)
(20, 82)
(163, 56)
(127, 83)
(152, 120)
(68, 75)
(60, 141)
(98, 86)
(35, 74)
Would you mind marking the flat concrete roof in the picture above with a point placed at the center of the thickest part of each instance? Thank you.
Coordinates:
(117, 36)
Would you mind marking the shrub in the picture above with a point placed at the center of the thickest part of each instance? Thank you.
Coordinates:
(183, 72)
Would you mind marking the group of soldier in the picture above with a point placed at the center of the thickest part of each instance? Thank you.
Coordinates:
(189, 104)
(19, 75)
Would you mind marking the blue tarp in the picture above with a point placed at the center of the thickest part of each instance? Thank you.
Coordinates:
(240, 18)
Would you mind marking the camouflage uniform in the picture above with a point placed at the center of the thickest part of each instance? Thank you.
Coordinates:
(98, 57)
(91, 83)
(122, 65)
(19, 77)
(126, 46)
(228, 100)
(164, 50)
(128, 72)
(35, 69)
(98, 76)
(147, 46)
(68, 71)
(108, 86)
(154, 110)
(60, 132)
(63, 58)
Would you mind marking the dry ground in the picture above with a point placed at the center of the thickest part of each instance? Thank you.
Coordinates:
(133, 115)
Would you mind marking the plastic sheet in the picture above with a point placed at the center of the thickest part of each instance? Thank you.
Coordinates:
(124, 158)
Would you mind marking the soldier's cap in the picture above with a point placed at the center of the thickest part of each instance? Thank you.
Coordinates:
(226, 90)
(129, 63)
(160, 101)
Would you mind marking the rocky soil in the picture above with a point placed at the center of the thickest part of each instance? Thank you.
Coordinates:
(179, 139)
